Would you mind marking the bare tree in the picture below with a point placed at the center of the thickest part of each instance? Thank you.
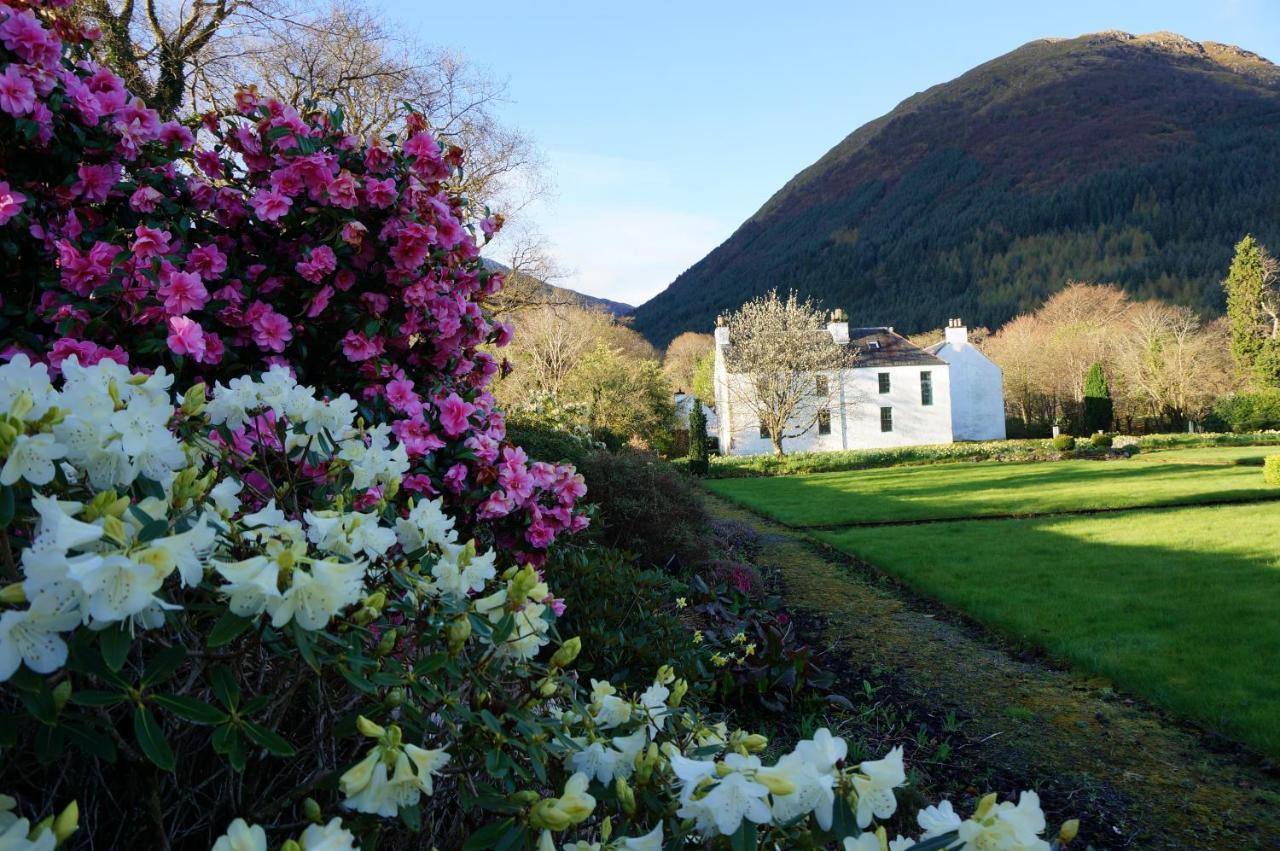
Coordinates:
(784, 365)
(680, 361)
(1172, 364)
(531, 275)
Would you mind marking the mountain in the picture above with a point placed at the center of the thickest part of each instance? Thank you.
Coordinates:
(563, 294)
(1137, 160)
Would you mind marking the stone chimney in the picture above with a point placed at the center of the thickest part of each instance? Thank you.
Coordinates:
(838, 327)
(957, 335)
(722, 331)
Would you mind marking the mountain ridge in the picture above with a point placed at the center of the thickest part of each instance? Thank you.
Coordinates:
(1087, 157)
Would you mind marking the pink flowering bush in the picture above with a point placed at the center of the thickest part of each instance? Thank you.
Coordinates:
(263, 237)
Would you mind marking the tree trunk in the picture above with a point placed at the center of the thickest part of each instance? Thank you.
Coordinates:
(777, 444)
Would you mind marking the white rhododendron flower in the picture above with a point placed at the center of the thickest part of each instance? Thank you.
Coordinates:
(31, 457)
(329, 837)
(937, 820)
(241, 836)
(26, 386)
(31, 636)
(372, 787)
(1006, 826)
(875, 785)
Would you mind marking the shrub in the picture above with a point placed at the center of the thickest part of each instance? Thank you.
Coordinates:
(1271, 470)
(1246, 412)
(646, 507)
(1098, 407)
(1101, 440)
(804, 463)
(1064, 443)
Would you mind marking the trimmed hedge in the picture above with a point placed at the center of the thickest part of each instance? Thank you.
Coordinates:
(1271, 470)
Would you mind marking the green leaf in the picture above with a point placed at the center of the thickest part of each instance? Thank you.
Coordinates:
(153, 529)
(225, 686)
(6, 506)
(228, 627)
(90, 697)
(502, 631)
(936, 843)
(49, 744)
(842, 821)
(744, 838)
(151, 740)
(91, 742)
(162, 665)
(412, 817)
(115, 643)
(268, 739)
(306, 647)
(195, 711)
(488, 836)
(511, 840)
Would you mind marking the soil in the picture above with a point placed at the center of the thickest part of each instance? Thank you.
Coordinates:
(1135, 777)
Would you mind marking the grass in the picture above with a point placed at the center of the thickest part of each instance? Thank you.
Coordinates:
(1246, 455)
(953, 491)
(1179, 606)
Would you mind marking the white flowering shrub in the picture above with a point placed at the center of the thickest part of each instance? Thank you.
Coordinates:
(225, 626)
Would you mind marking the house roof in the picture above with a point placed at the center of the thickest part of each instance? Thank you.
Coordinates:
(889, 349)
(875, 347)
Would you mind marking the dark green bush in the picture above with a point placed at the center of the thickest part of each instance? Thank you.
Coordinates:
(1064, 443)
(1245, 412)
(646, 506)
(626, 615)
(1101, 440)
(546, 444)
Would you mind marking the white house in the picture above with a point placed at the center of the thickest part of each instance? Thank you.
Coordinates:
(977, 386)
(894, 394)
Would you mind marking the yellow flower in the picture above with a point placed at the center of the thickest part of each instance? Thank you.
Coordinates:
(697, 636)
(750, 649)
(740, 638)
(681, 602)
(719, 661)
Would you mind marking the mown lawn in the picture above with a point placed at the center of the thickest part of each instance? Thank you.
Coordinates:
(1211, 455)
(1181, 606)
(989, 489)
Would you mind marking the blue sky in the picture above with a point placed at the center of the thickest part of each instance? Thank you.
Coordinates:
(666, 124)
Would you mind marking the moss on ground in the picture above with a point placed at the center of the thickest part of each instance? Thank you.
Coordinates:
(1135, 778)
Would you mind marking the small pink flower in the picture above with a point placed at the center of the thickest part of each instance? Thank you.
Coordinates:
(270, 205)
(186, 337)
(455, 479)
(150, 242)
(208, 261)
(401, 396)
(271, 331)
(17, 95)
(183, 292)
(145, 199)
(96, 182)
(357, 347)
(454, 412)
(11, 202)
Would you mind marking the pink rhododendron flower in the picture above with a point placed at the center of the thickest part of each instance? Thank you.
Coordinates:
(145, 199)
(271, 330)
(183, 292)
(357, 347)
(401, 397)
(11, 202)
(186, 337)
(270, 205)
(454, 411)
(17, 95)
(150, 242)
(207, 261)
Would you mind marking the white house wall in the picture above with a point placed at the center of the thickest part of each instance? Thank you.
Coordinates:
(855, 412)
(977, 384)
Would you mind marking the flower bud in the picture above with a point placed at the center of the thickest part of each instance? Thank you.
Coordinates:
(387, 643)
(568, 651)
(626, 797)
(547, 687)
(546, 842)
(67, 822)
(395, 697)
(394, 737)
(755, 743)
(376, 600)
(524, 797)
(290, 845)
(775, 783)
(13, 594)
(547, 815)
(368, 728)
(457, 633)
(984, 806)
(1068, 831)
(665, 675)
(606, 828)
(21, 405)
(678, 691)
(61, 694)
(312, 811)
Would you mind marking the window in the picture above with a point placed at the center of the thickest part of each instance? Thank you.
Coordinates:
(824, 421)
(886, 419)
(884, 382)
(926, 387)
(820, 386)
(764, 430)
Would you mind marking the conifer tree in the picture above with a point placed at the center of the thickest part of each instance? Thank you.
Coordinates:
(697, 438)
(1246, 286)
(1098, 407)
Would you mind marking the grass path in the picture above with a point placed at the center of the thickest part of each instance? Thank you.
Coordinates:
(1135, 779)
(952, 491)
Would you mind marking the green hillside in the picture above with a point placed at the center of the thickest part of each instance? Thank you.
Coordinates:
(1138, 160)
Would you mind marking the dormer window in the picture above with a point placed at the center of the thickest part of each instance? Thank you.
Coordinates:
(873, 344)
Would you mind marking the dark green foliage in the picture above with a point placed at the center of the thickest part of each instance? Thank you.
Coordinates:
(1246, 412)
(625, 615)
(646, 506)
(697, 439)
(1098, 409)
(1064, 443)
(1092, 158)
(546, 444)
(1244, 286)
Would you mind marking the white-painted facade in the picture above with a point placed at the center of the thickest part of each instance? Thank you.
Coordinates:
(977, 387)
(896, 394)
